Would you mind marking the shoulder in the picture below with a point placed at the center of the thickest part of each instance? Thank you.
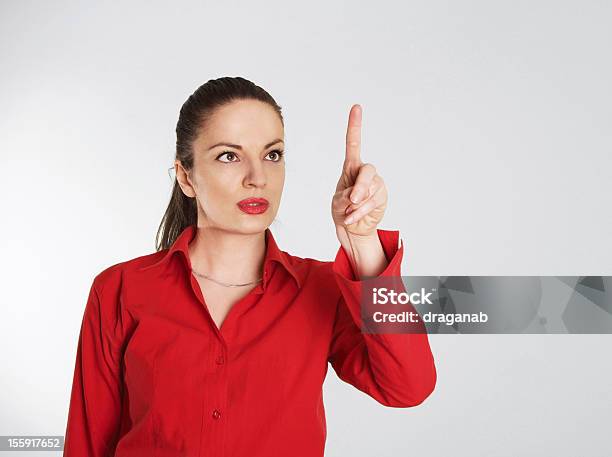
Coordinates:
(107, 305)
(305, 263)
(310, 271)
(111, 278)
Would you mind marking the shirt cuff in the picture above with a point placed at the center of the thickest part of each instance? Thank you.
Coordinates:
(351, 288)
(393, 252)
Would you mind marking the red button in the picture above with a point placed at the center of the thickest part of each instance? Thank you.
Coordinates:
(220, 360)
(216, 414)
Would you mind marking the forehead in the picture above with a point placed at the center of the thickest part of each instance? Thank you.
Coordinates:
(243, 122)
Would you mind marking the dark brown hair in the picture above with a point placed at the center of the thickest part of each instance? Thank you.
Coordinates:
(199, 107)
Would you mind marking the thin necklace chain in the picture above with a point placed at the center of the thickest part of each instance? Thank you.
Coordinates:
(223, 283)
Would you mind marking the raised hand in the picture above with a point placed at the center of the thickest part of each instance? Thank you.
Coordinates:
(360, 200)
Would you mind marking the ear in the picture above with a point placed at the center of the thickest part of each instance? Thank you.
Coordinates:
(182, 176)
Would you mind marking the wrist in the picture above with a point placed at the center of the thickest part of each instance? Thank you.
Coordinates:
(363, 240)
(356, 239)
(364, 251)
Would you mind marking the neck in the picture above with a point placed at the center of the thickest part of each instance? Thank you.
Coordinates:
(228, 256)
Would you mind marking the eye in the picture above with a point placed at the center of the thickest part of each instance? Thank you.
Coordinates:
(278, 154)
(228, 154)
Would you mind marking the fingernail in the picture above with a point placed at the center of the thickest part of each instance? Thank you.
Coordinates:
(356, 197)
(349, 220)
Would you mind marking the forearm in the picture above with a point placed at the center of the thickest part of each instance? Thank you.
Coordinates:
(365, 253)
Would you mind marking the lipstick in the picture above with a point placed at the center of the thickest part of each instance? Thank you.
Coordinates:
(253, 205)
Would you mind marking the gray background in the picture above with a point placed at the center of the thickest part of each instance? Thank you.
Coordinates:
(489, 121)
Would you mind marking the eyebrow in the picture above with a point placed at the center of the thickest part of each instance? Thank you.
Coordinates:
(237, 146)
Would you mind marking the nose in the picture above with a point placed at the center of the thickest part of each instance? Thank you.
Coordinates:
(255, 176)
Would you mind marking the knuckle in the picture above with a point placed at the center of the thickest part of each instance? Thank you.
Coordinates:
(370, 166)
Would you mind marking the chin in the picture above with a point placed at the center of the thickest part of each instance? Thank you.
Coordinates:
(253, 224)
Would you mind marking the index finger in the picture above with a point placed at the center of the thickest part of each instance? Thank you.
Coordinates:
(353, 136)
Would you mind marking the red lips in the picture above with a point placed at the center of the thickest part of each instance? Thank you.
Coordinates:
(253, 205)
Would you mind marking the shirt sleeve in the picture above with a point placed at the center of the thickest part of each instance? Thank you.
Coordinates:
(96, 398)
(396, 369)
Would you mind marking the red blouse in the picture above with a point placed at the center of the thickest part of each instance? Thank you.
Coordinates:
(154, 376)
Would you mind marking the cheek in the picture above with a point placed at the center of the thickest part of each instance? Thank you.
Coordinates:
(277, 178)
(215, 187)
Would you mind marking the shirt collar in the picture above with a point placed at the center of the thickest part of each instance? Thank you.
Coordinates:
(273, 253)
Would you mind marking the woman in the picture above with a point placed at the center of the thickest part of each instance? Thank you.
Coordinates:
(218, 343)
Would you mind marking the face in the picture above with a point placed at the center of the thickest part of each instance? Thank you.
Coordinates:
(237, 156)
